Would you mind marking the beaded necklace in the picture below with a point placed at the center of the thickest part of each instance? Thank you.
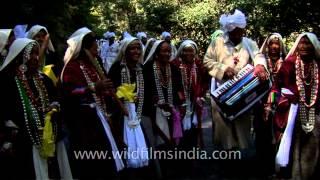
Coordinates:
(33, 113)
(187, 85)
(274, 68)
(125, 78)
(307, 120)
(100, 102)
(158, 75)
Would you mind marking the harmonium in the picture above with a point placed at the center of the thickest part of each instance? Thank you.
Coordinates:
(239, 94)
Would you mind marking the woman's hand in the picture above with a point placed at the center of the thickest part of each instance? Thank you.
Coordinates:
(104, 87)
(261, 72)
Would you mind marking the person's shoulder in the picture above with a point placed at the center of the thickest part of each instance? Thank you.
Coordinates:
(249, 40)
(289, 62)
(291, 59)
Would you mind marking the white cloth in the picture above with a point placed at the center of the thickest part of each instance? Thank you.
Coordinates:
(140, 35)
(123, 48)
(134, 139)
(230, 22)
(189, 119)
(20, 30)
(108, 35)
(109, 54)
(264, 47)
(4, 36)
(314, 40)
(162, 123)
(126, 35)
(165, 34)
(63, 161)
(74, 46)
(40, 165)
(35, 30)
(184, 44)
(107, 130)
(153, 50)
(283, 154)
(17, 46)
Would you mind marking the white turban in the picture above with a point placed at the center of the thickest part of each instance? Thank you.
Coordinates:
(165, 34)
(230, 22)
(20, 30)
(126, 35)
(140, 35)
(108, 35)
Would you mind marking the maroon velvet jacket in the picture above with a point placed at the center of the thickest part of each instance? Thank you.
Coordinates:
(199, 89)
(286, 78)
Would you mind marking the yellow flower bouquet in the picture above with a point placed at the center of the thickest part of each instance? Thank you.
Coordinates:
(126, 91)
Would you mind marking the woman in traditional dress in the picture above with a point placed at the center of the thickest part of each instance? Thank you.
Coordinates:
(194, 87)
(127, 77)
(195, 84)
(50, 64)
(297, 86)
(163, 94)
(85, 90)
(274, 51)
(32, 147)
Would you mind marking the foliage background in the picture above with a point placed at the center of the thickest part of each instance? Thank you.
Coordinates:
(194, 19)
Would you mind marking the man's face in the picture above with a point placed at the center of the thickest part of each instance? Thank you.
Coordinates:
(236, 35)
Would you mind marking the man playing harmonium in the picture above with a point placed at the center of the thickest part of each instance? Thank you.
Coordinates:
(224, 58)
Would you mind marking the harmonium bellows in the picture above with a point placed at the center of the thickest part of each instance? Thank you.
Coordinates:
(239, 94)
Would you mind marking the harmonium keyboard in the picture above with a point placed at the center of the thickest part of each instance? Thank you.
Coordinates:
(239, 94)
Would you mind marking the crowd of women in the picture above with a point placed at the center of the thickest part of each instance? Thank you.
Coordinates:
(148, 94)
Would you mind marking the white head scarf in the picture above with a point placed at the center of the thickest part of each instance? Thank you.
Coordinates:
(20, 30)
(186, 43)
(314, 40)
(165, 34)
(4, 36)
(74, 46)
(147, 44)
(108, 35)
(122, 53)
(74, 43)
(153, 50)
(140, 35)
(35, 30)
(17, 46)
(230, 22)
(264, 47)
